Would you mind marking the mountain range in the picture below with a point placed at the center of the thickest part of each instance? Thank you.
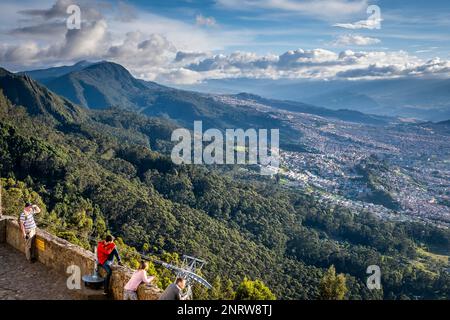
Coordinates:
(45, 75)
(104, 84)
(420, 98)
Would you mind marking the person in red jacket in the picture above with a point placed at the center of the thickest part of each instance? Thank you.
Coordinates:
(106, 251)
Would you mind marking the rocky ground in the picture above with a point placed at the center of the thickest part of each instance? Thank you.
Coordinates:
(21, 280)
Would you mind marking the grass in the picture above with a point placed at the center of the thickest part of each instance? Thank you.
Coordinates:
(434, 256)
(429, 262)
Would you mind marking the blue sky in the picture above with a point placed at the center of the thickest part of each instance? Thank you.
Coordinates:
(182, 41)
(407, 25)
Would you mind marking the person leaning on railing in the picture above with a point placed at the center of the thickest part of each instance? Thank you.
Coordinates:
(138, 277)
(106, 251)
(28, 228)
(175, 291)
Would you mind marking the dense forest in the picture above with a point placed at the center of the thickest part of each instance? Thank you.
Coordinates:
(100, 171)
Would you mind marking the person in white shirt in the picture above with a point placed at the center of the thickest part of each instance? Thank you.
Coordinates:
(28, 228)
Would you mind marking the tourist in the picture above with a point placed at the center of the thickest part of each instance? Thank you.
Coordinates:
(28, 228)
(138, 277)
(106, 251)
(175, 291)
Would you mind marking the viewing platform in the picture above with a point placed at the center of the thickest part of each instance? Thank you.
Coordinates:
(22, 280)
(46, 279)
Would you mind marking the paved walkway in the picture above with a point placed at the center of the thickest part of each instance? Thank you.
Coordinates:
(21, 280)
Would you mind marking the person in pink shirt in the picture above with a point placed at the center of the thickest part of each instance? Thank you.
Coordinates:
(138, 277)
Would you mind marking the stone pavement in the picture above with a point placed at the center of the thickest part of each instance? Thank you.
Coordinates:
(21, 280)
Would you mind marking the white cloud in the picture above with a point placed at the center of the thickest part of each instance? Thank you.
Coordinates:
(186, 36)
(355, 40)
(363, 24)
(179, 76)
(145, 55)
(205, 21)
(373, 22)
(376, 70)
(58, 10)
(76, 44)
(47, 30)
(295, 58)
(85, 42)
(42, 39)
(189, 56)
(157, 48)
(25, 53)
(317, 64)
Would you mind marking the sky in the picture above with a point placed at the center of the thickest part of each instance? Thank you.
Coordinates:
(190, 41)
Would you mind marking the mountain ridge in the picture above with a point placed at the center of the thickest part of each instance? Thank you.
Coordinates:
(46, 74)
(37, 99)
(105, 83)
(421, 98)
(341, 114)
(101, 85)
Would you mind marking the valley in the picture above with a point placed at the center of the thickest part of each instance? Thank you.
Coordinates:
(397, 170)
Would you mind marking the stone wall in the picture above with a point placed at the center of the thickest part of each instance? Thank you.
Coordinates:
(2, 229)
(59, 254)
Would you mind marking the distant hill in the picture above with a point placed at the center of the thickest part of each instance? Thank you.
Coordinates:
(46, 75)
(421, 98)
(102, 85)
(345, 115)
(38, 100)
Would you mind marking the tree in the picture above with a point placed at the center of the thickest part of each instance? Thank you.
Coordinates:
(253, 290)
(228, 292)
(216, 291)
(222, 290)
(332, 286)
